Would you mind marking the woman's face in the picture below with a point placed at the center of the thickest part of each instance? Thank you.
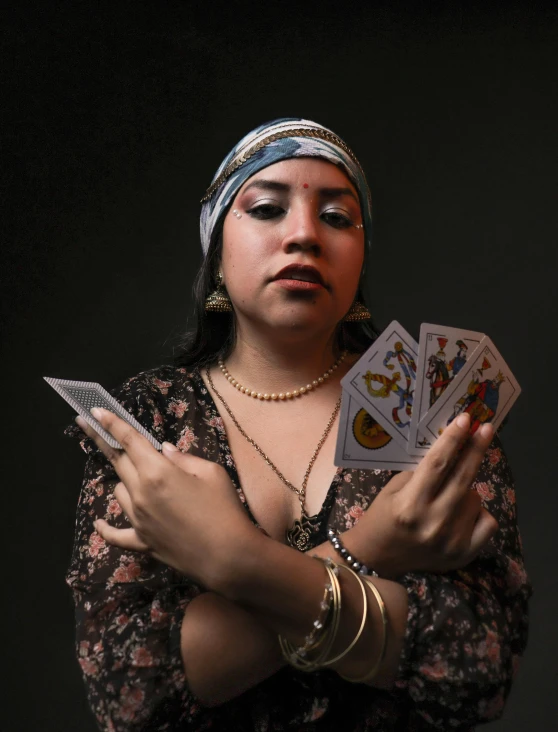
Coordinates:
(294, 257)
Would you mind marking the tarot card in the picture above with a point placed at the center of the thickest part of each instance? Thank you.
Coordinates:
(84, 395)
(363, 443)
(485, 388)
(443, 352)
(383, 381)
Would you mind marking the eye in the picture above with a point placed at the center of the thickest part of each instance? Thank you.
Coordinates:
(264, 211)
(337, 218)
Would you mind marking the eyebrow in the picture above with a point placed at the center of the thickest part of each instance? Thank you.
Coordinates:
(274, 185)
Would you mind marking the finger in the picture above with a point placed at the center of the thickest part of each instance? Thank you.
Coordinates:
(485, 528)
(136, 447)
(123, 497)
(437, 463)
(122, 538)
(466, 468)
(117, 458)
(191, 464)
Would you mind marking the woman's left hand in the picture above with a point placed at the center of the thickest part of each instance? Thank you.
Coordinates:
(184, 510)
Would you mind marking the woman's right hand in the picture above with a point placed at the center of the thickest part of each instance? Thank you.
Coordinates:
(429, 520)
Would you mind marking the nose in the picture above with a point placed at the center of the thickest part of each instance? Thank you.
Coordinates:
(302, 232)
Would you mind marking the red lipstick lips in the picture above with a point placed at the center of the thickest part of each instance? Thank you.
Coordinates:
(301, 277)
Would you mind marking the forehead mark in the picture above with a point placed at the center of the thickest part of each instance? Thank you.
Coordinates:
(305, 185)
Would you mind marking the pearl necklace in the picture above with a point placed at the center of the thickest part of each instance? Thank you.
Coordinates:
(282, 395)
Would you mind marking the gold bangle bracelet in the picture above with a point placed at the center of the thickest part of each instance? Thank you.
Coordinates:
(327, 640)
(370, 675)
(362, 624)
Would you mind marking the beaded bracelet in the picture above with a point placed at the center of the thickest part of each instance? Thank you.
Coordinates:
(359, 567)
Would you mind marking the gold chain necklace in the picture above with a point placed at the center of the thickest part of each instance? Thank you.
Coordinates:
(281, 395)
(298, 535)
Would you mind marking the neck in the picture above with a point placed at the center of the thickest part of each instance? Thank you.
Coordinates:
(269, 365)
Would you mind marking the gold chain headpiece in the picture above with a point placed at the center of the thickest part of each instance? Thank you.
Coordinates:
(318, 132)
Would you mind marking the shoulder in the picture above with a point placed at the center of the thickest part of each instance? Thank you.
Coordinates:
(161, 383)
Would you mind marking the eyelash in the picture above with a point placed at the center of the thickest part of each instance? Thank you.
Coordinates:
(267, 211)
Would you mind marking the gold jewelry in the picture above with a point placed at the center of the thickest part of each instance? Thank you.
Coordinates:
(357, 313)
(294, 656)
(370, 675)
(357, 637)
(219, 301)
(287, 395)
(298, 536)
(244, 154)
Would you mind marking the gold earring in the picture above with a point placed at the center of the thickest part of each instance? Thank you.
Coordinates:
(219, 301)
(357, 313)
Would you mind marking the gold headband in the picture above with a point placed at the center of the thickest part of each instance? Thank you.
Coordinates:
(297, 132)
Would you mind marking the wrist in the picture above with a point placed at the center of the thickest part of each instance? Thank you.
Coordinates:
(240, 566)
(362, 546)
(236, 564)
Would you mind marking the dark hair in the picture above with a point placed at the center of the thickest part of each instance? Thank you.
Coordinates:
(213, 334)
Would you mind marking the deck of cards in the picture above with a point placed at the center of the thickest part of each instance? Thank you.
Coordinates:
(401, 395)
(84, 395)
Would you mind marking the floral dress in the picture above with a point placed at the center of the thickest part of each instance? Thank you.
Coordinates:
(466, 629)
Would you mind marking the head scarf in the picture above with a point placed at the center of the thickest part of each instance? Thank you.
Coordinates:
(281, 139)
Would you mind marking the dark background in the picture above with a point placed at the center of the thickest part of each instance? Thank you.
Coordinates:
(116, 115)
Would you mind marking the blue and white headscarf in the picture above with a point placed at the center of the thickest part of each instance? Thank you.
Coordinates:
(278, 140)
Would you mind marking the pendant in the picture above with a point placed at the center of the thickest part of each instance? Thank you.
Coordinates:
(300, 533)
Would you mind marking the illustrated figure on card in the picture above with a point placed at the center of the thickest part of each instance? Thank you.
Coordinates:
(460, 358)
(390, 384)
(481, 399)
(383, 381)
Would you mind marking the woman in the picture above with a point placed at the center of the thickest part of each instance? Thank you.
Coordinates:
(197, 610)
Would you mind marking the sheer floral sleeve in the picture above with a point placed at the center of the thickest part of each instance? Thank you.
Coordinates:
(467, 629)
(129, 608)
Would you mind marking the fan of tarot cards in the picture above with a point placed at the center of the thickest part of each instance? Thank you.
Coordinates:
(399, 397)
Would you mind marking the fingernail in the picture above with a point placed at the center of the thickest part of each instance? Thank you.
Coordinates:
(97, 413)
(169, 447)
(462, 420)
(80, 422)
(486, 430)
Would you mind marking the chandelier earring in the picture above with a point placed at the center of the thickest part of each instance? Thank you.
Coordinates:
(358, 313)
(219, 301)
